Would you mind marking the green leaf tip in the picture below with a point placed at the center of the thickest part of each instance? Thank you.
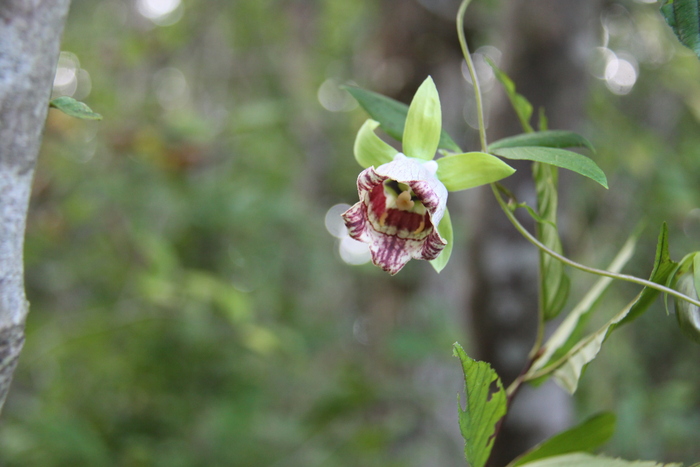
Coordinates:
(483, 410)
(683, 16)
(74, 108)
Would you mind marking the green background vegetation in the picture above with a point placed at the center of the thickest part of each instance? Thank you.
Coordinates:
(189, 308)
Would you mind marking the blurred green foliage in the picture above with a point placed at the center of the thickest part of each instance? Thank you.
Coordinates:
(189, 308)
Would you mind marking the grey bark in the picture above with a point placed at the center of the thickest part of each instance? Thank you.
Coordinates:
(30, 33)
(542, 46)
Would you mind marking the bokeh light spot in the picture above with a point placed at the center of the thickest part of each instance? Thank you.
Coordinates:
(354, 252)
(334, 223)
(170, 86)
(160, 12)
(333, 98)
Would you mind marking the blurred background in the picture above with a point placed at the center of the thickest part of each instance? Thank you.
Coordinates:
(194, 302)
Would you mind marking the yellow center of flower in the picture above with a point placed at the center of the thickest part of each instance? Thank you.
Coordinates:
(404, 201)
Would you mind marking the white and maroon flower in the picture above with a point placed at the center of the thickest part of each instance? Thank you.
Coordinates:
(401, 204)
(401, 213)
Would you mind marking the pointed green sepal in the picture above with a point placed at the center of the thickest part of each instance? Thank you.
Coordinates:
(421, 134)
(370, 150)
(471, 169)
(391, 115)
(445, 231)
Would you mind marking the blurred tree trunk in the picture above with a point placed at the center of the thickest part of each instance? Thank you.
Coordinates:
(543, 44)
(30, 32)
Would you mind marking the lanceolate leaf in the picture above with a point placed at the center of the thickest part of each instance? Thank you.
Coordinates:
(554, 283)
(549, 139)
(463, 171)
(569, 331)
(391, 115)
(558, 157)
(445, 230)
(571, 366)
(74, 108)
(588, 460)
(423, 123)
(587, 436)
(663, 267)
(684, 18)
(370, 150)
(483, 408)
(522, 106)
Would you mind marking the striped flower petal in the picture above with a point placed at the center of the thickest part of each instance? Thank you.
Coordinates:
(401, 203)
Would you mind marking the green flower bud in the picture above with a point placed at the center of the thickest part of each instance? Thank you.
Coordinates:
(687, 282)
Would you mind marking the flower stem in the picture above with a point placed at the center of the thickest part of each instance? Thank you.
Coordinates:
(472, 73)
(600, 272)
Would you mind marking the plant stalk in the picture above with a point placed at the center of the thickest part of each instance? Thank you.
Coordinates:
(472, 73)
(600, 272)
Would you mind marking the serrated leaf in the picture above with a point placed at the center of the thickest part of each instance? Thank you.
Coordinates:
(589, 460)
(445, 230)
(548, 139)
(660, 273)
(566, 335)
(558, 157)
(553, 281)
(391, 115)
(421, 133)
(370, 150)
(483, 408)
(521, 105)
(471, 169)
(586, 436)
(74, 108)
(684, 18)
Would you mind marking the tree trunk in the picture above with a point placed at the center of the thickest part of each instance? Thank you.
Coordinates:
(30, 32)
(541, 45)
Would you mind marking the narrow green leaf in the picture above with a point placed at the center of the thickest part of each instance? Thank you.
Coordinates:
(589, 460)
(696, 272)
(483, 408)
(566, 335)
(74, 108)
(587, 436)
(660, 273)
(370, 150)
(684, 18)
(445, 230)
(421, 133)
(554, 283)
(391, 115)
(570, 367)
(559, 157)
(548, 139)
(471, 169)
(520, 104)
(543, 123)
